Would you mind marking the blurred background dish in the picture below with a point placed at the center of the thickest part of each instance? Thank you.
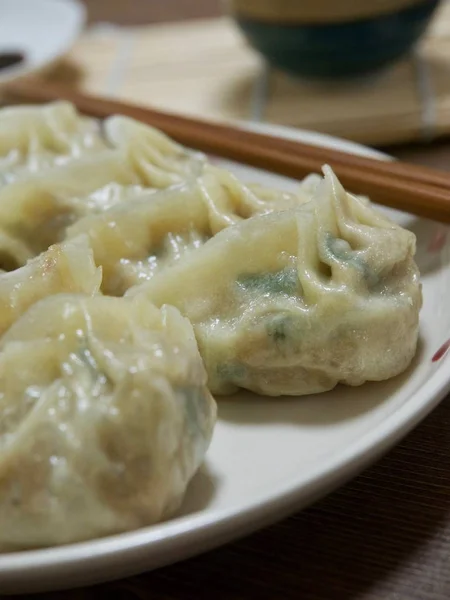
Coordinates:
(36, 33)
(329, 38)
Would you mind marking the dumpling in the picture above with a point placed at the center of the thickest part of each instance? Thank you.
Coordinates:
(160, 162)
(66, 267)
(133, 241)
(38, 208)
(57, 167)
(36, 137)
(156, 158)
(298, 301)
(42, 136)
(104, 419)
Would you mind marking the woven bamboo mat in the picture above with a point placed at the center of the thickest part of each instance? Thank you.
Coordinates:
(204, 67)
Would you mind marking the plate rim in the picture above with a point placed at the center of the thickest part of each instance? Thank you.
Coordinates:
(148, 548)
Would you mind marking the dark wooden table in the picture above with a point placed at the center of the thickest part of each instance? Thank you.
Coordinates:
(384, 536)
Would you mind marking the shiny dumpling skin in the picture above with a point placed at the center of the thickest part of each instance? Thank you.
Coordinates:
(157, 159)
(38, 208)
(161, 162)
(66, 267)
(65, 174)
(56, 167)
(132, 241)
(105, 417)
(135, 240)
(298, 301)
(36, 137)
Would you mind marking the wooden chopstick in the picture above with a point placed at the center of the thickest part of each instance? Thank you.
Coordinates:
(419, 190)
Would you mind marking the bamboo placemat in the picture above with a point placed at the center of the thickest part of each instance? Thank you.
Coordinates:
(204, 67)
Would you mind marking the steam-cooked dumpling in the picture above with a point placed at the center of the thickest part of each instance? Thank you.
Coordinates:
(36, 137)
(133, 241)
(39, 207)
(295, 302)
(40, 191)
(56, 167)
(66, 267)
(104, 419)
(156, 158)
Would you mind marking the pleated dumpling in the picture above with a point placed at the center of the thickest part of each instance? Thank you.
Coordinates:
(66, 267)
(57, 166)
(134, 240)
(157, 159)
(298, 301)
(104, 419)
(38, 208)
(36, 137)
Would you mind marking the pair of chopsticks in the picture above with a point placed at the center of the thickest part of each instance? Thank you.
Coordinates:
(411, 188)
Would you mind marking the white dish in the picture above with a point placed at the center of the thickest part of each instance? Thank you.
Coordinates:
(43, 30)
(270, 457)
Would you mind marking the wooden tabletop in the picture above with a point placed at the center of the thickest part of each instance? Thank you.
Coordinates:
(384, 536)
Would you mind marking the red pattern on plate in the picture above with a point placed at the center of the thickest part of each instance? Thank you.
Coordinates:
(442, 350)
(438, 240)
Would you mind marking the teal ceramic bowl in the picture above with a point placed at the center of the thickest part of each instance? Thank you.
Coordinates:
(344, 45)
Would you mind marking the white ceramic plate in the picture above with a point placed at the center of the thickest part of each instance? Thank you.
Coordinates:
(43, 30)
(272, 457)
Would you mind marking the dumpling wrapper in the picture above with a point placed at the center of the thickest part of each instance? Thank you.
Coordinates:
(66, 267)
(43, 136)
(298, 301)
(38, 208)
(58, 167)
(36, 137)
(157, 159)
(104, 419)
(135, 240)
